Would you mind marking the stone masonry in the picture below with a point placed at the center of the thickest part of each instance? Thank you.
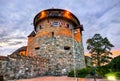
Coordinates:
(59, 51)
(20, 66)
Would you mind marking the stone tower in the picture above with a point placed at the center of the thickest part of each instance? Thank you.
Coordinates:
(57, 36)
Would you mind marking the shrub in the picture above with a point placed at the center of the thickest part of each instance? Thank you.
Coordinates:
(71, 73)
(114, 65)
(81, 72)
(84, 72)
(101, 71)
(118, 75)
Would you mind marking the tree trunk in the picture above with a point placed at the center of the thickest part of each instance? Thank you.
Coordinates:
(98, 59)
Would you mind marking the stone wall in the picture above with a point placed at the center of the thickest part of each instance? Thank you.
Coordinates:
(3, 61)
(59, 51)
(2, 66)
(25, 67)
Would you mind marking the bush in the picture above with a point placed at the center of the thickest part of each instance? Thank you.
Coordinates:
(84, 72)
(114, 65)
(101, 71)
(81, 72)
(118, 75)
(71, 73)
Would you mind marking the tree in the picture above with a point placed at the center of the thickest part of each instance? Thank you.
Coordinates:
(99, 48)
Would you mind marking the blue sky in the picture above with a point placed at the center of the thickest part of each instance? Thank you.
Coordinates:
(97, 16)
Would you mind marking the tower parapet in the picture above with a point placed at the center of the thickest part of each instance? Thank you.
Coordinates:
(59, 14)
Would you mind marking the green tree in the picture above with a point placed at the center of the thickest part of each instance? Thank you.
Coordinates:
(99, 48)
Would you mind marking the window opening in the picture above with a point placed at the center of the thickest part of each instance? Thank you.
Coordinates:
(56, 24)
(40, 27)
(48, 21)
(66, 48)
(52, 34)
(67, 25)
(37, 48)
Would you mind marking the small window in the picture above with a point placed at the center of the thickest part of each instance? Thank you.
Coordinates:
(48, 21)
(67, 25)
(66, 48)
(56, 24)
(40, 27)
(37, 48)
(52, 34)
(75, 31)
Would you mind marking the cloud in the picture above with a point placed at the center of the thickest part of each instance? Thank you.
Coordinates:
(97, 16)
(107, 24)
(111, 28)
(12, 41)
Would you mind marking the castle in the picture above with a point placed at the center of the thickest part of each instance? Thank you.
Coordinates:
(56, 38)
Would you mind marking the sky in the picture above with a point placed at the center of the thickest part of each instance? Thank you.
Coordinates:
(96, 16)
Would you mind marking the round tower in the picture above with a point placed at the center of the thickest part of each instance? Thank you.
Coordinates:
(57, 36)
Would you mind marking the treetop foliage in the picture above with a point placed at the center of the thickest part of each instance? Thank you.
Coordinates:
(99, 48)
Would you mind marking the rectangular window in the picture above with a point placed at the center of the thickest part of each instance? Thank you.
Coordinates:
(56, 24)
(37, 48)
(66, 48)
(52, 34)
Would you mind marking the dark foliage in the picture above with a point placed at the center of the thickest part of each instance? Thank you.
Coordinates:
(101, 71)
(118, 75)
(81, 72)
(114, 65)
